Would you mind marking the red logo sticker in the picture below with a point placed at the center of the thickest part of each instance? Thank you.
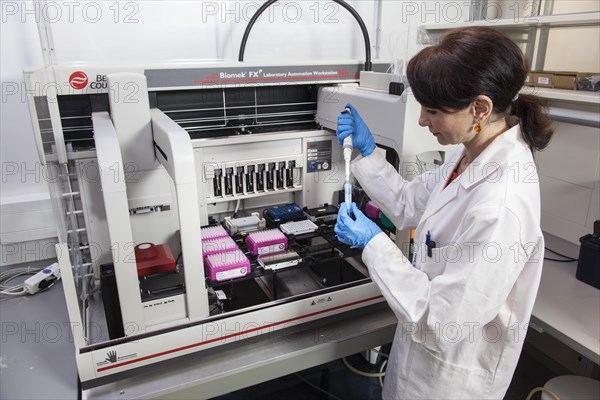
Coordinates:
(78, 80)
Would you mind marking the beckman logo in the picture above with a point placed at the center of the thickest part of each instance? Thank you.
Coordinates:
(78, 80)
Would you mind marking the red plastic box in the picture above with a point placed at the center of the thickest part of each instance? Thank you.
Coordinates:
(154, 259)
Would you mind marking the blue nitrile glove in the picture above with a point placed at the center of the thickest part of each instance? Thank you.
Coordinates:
(352, 124)
(355, 232)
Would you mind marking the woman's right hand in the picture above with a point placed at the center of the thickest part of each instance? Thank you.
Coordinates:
(352, 124)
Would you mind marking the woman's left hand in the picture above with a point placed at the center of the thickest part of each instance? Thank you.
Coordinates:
(356, 232)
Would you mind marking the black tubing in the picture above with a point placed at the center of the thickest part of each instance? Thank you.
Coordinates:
(361, 23)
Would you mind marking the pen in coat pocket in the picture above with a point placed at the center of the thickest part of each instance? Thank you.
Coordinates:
(430, 244)
(430, 248)
(411, 245)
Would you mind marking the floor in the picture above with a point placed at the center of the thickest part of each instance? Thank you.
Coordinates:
(344, 384)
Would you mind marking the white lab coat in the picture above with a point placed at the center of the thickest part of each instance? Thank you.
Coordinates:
(463, 312)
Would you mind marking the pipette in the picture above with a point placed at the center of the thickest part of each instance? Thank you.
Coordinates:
(347, 148)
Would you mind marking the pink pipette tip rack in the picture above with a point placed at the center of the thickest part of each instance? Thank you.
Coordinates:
(228, 265)
(266, 242)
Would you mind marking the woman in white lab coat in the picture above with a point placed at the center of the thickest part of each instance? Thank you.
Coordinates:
(464, 301)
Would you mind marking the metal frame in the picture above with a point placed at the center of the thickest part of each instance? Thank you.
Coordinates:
(544, 34)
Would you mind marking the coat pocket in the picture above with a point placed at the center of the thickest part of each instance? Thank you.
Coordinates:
(432, 377)
(433, 264)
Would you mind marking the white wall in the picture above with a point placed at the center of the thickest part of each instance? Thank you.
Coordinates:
(574, 49)
(19, 47)
(25, 209)
(569, 170)
(145, 31)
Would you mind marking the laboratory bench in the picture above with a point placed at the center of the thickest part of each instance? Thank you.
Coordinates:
(566, 308)
(37, 354)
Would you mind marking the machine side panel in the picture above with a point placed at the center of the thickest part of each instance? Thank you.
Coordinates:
(177, 155)
(119, 227)
(130, 113)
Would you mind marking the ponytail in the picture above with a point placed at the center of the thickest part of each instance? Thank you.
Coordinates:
(536, 126)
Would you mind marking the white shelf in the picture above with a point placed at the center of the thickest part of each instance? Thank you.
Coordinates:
(565, 95)
(561, 20)
(571, 106)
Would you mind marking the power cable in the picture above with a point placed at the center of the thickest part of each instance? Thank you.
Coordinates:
(10, 274)
(567, 258)
(357, 17)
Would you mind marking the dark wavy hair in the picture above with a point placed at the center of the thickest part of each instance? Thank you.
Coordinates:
(473, 61)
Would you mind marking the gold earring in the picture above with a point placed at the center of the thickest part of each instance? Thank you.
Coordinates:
(477, 128)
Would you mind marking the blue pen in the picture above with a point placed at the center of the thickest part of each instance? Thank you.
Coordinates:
(430, 244)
